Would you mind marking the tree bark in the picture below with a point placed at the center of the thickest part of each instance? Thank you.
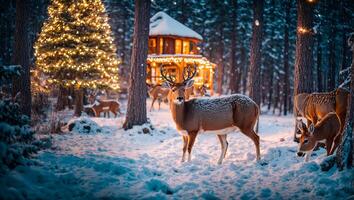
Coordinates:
(21, 56)
(304, 47)
(345, 152)
(255, 60)
(220, 61)
(79, 96)
(286, 89)
(319, 64)
(234, 84)
(332, 46)
(136, 111)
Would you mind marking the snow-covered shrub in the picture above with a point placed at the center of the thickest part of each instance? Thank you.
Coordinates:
(83, 125)
(16, 136)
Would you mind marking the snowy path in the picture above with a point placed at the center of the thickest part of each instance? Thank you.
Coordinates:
(115, 164)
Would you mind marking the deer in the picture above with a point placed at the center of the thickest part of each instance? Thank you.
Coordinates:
(316, 106)
(325, 131)
(199, 90)
(105, 106)
(158, 93)
(219, 115)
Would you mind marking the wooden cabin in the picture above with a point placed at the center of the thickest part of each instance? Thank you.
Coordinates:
(175, 46)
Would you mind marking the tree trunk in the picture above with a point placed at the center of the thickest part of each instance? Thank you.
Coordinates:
(21, 56)
(235, 71)
(255, 60)
(62, 99)
(136, 111)
(319, 64)
(345, 152)
(220, 61)
(304, 47)
(79, 96)
(286, 89)
(332, 46)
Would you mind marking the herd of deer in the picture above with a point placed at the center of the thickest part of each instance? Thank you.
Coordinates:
(325, 114)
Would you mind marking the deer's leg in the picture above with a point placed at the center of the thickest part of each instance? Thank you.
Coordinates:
(224, 145)
(329, 146)
(336, 142)
(255, 138)
(185, 142)
(152, 104)
(191, 140)
(115, 113)
(159, 101)
(308, 155)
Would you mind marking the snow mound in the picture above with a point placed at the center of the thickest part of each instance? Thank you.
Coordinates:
(84, 125)
(162, 24)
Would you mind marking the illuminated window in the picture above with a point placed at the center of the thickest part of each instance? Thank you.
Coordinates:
(185, 47)
(152, 45)
(161, 46)
(178, 46)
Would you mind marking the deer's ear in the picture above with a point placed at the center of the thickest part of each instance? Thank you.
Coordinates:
(189, 83)
(166, 85)
(300, 125)
(311, 129)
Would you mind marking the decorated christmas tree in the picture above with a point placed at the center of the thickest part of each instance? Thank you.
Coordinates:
(75, 47)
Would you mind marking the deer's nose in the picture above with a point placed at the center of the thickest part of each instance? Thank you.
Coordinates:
(300, 154)
(180, 98)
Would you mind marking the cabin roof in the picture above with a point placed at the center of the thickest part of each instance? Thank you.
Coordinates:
(162, 24)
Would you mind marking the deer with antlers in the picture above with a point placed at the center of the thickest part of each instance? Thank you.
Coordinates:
(220, 115)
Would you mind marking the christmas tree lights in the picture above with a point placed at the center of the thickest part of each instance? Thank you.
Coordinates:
(75, 47)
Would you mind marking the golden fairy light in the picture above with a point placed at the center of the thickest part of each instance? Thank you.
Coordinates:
(75, 46)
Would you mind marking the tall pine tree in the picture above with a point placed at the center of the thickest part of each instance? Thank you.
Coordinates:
(75, 47)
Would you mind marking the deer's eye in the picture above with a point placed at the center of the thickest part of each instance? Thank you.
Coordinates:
(306, 141)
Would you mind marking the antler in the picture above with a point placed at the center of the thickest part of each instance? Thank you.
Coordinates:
(190, 72)
(166, 77)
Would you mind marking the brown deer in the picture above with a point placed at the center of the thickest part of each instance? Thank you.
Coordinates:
(158, 93)
(220, 115)
(317, 105)
(105, 106)
(325, 130)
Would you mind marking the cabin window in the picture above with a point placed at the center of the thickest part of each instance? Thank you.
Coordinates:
(186, 47)
(161, 46)
(192, 48)
(178, 46)
(169, 46)
(152, 45)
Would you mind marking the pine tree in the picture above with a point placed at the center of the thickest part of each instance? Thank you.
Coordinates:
(75, 47)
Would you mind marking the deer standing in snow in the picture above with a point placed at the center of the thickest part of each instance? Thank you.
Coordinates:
(158, 93)
(105, 106)
(316, 106)
(325, 131)
(221, 115)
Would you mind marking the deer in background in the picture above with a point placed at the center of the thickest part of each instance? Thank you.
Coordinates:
(316, 106)
(106, 106)
(158, 93)
(220, 115)
(324, 131)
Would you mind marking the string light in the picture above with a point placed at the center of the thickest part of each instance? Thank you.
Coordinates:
(303, 30)
(75, 47)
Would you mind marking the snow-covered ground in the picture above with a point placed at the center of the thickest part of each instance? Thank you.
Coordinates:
(110, 163)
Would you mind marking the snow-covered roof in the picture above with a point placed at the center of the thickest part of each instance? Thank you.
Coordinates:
(162, 24)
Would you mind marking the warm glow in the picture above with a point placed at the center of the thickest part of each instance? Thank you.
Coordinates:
(178, 46)
(186, 47)
(77, 49)
(302, 30)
